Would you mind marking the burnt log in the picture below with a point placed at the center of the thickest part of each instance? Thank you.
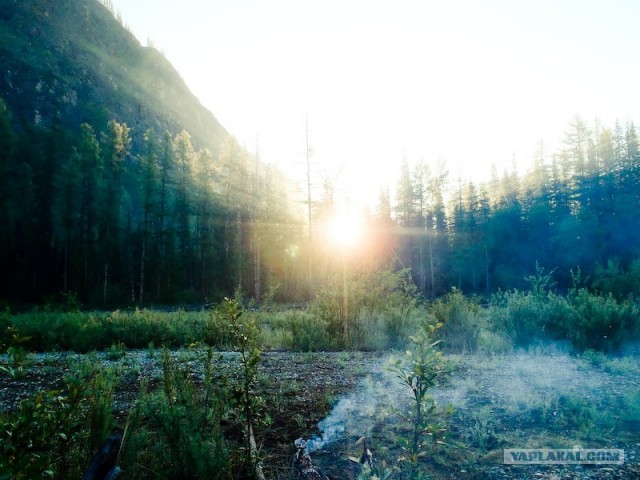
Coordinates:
(304, 469)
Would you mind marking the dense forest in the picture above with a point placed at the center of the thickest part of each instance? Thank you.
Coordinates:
(575, 210)
(87, 216)
(92, 219)
(117, 188)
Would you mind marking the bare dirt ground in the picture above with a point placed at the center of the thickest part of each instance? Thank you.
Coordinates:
(528, 400)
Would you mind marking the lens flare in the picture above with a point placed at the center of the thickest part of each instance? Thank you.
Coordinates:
(345, 231)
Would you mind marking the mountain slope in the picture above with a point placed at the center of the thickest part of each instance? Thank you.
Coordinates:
(65, 62)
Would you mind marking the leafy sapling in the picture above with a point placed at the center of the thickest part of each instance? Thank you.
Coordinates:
(419, 369)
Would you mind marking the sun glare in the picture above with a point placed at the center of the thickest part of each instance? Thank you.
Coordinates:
(345, 231)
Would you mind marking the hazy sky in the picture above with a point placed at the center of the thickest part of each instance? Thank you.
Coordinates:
(473, 81)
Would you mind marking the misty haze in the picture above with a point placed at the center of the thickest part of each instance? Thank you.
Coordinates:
(319, 241)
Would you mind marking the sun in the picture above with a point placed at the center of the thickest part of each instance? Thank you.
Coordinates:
(345, 231)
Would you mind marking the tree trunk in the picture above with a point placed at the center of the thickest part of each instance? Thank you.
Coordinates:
(142, 266)
(106, 283)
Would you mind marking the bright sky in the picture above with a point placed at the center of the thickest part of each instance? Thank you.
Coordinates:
(474, 82)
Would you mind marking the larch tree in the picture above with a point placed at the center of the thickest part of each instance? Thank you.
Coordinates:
(149, 175)
(164, 247)
(115, 147)
(67, 207)
(7, 192)
(88, 151)
(184, 157)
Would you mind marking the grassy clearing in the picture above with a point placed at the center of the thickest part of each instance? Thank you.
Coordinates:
(502, 398)
(371, 311)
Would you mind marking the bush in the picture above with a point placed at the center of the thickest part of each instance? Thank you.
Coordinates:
(520, 315)
(587, 320)
(353, 306)
(527, 317)
(494, 342)
(53, 434)
(615, 280)
(600, 322)
(86, 331)
(304, 333)
(462, 320)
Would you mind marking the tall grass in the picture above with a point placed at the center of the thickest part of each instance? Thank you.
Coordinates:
(86, 331)
(175, 430)
(364, 310)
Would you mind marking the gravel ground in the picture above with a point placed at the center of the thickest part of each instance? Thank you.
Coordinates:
(509, 401)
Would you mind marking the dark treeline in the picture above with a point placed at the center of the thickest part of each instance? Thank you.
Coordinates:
(87, 217)
(90, 217)
(575, 211)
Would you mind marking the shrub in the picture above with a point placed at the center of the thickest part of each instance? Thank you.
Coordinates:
(527, 317)
(53, 434)
(520, 315)
(304, 333)
(600, 322)
(353, 305)
(587, 320)
(615, 280)
(462, 320)
(116, 351)
(494, 342)
(419, 370)
(86, 331)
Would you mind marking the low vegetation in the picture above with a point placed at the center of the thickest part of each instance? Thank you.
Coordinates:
(200, 419)
(375, 311)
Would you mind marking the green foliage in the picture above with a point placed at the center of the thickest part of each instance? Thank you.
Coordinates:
(304, 332)
(583, 417)
(419, 370)
(245, 333)
(541, 283)
(519, 315)
(368, 309)
(116, 351)
(86, 331)
(613, 279)
(16, 366)
(54, 433)
(462, 321)
(612, 364)
(34, 439)
(100, 382)
(491, 341)
(17, 356)
(588, 320)
(631, 408)
(600, 322)
(175, 432)
(527, 317)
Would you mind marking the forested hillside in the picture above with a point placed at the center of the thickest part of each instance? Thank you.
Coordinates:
(116, 186)
(70, 61)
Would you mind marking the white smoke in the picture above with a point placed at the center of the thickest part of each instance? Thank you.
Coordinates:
(357, 413)
(502, 385)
